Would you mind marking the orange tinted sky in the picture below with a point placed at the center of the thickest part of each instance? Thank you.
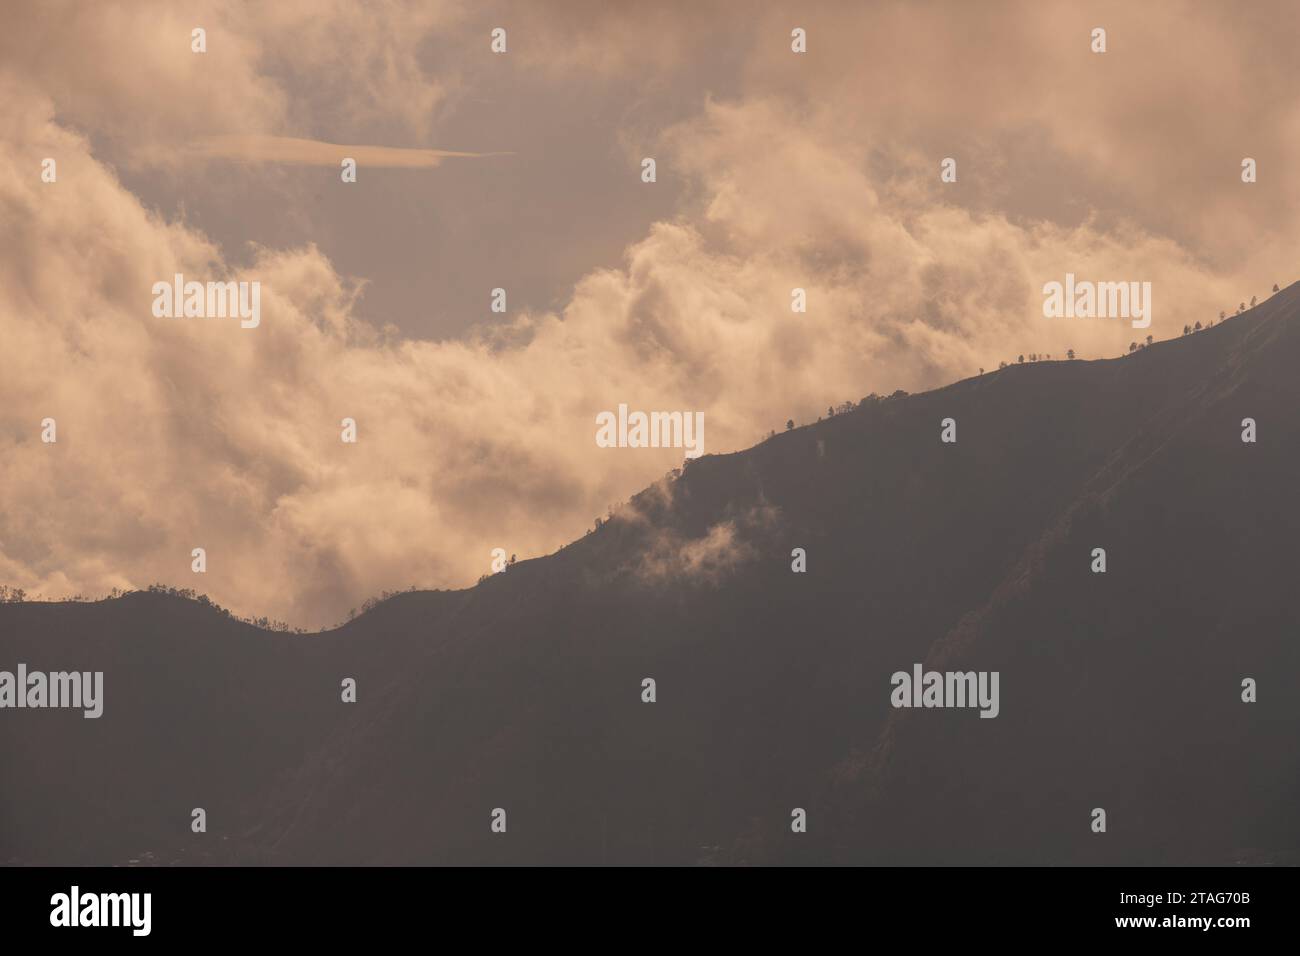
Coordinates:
(775, 170)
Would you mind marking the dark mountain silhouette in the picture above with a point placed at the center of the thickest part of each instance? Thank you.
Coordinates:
(1119, 690)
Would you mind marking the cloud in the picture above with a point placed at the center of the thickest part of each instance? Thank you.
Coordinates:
(177, 433)
(1152, 131)
(126, 72)
(669, 557)
(308, 152)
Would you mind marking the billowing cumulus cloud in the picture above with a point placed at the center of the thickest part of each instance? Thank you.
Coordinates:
(183, 433)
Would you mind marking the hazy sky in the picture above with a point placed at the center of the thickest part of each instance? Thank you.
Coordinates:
(476, 430)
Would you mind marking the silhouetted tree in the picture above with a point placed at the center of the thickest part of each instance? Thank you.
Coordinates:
(1196, 327)
(789, 424)
(981, 371)
(1069, 353)
(1222, 316)
(1132, 346)
(1275, 289)
(1020, 360)
(830, 411)
(1148, 340)
(1002, 365)
(1252, 302)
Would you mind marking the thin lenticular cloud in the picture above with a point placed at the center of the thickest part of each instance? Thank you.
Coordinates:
(253, 148)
